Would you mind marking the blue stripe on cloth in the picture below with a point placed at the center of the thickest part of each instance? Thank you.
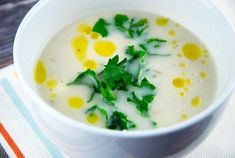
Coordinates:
(28, 117)
(3, 153)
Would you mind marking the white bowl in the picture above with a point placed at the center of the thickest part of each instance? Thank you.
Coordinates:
(80, 140)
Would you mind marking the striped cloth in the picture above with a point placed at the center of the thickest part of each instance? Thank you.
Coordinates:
(19, 135)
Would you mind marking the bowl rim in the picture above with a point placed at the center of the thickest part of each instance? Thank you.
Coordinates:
(100, 131)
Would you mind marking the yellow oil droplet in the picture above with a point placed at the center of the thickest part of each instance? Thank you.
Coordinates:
(104, 48)
(182, 65)
(182, 94)
(95, 35)
(196, 101)
(179, 55)
(75, 102)
(206, 55)
(203, 74)
(79, 45)
(92, 118)
(192, 51)
(172, 33)
(205, 51)
(84, 29)
(189, 81)
(179, 82)
(203, 62)
(184, 117)
(186, 89)
(174, 42)
(40, 72)
(89, 64)
(162, 21)
(52, 95)
(51, 84)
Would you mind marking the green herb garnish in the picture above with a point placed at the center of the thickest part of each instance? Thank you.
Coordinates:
(137, 27)
(115, 74)
(132, 51)
(151, 46)
(101, 27)
(142, 105)
(116, 121)
(119, 121)
(124, 75)
(107, 93)
(101, 110)
(121, 22)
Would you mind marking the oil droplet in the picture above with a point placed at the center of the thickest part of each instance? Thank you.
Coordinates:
(52, 95)
(162, 21)
(92, 118)
(188, 81)
(79, 45)
(84, 29)
(203, 74)
(182, 65)
(186, 89)
(184, 117)
(75, 102)
(192, 51)
(40, 72)
(182, 94)
(95, 35)
(203, 62)
(104, 48)
(174, 42)
(196, 101)
(89, 64)
(179, 55)
(179, 82)
(51, 84)
(206, 55)
(172, 33)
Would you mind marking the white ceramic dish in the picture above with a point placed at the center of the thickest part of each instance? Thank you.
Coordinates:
(49, 16)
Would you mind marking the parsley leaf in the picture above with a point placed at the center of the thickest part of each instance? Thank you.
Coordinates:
(134, 52)
(142, 106)
(101, 27)
(120, 22)
(146, 83)
(101, 110)
(151, 45)
(107, 93)
(88, 78)
(119, 121)
(137, 27)
(115, 74)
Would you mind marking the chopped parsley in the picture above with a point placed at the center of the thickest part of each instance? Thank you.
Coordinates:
(116, 121)
(121, 22)
(123, 75)
(101, 27)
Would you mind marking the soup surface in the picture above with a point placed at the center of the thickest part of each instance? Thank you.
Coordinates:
(126, 71)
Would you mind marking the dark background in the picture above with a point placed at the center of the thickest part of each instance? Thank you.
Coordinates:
(11, 14)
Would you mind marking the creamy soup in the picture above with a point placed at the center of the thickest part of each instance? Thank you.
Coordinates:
(126, 71)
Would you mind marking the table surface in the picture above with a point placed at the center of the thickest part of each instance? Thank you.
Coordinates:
(11, 14)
